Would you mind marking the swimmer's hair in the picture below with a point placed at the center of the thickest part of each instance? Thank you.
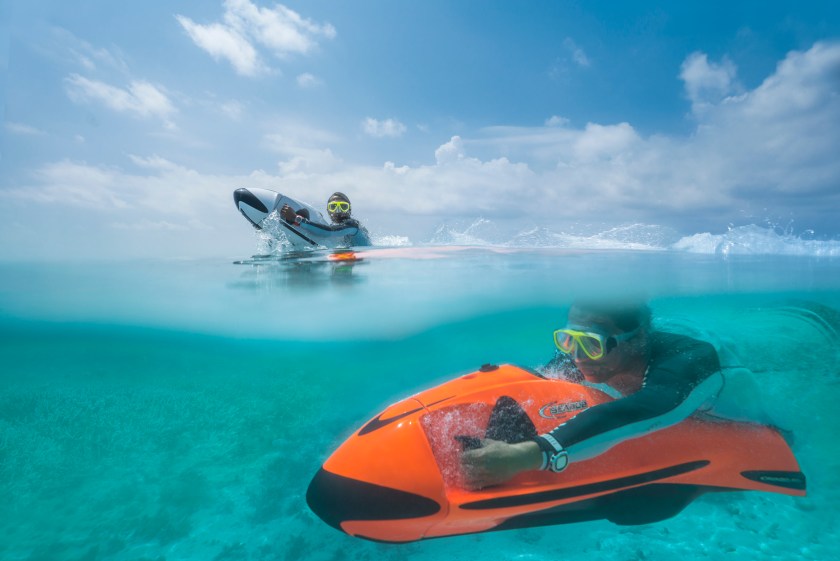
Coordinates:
(339, 196)
(627, 315)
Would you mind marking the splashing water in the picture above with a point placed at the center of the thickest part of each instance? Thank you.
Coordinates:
(742, 240)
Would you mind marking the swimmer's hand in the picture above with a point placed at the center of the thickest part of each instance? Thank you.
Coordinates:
(496, 462)
(287, 214)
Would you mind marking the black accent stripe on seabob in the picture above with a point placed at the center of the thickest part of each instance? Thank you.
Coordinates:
(588, 489)
(785, 479)
(377, 423)
(301, 234)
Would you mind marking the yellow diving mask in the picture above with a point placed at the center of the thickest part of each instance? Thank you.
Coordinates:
(594, 345)
(338, 206)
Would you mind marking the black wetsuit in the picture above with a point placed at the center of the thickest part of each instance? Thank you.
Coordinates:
(350, 229)
(683, 375)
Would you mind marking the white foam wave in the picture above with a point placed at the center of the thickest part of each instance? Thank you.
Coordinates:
(756, 240)
(743, 240)
(391, 241)
(482, 232)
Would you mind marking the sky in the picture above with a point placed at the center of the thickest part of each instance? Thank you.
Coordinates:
(128, 125)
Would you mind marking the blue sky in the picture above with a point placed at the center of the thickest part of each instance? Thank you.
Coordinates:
(128, 125)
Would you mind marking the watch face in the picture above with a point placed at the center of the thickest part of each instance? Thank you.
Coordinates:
(559, 461)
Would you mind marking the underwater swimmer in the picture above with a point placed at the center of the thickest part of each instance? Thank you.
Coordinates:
(343, 225)
(659, 378)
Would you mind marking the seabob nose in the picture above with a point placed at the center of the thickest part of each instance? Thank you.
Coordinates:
(336, 499)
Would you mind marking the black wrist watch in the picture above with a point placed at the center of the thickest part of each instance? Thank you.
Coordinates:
(555, 457)
(558, 461)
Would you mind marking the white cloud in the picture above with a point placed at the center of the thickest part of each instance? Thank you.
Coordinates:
(223, 42)
(140, 98)
(450, 152)
(64, 44)
(578, 55)
(162, 210)
(782, 136)
(803, 82)
(391, 167)
(304, 149)
(287, 136)
(380, 129)
(306, 162)
(569, 61)
(280, 29)
(556, 121)
(150, 225)
(232, 109)
(773, 147)
(24, 130)
(599, 142)
(155, 162)
(707, 82)
(162, 189)
(247, 27)
(307, 80)
(72, 185)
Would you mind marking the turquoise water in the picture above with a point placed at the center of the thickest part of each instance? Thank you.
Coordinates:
(177, 409)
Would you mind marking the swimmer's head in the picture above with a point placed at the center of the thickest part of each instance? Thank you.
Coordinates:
(605, 337)
(338, 207)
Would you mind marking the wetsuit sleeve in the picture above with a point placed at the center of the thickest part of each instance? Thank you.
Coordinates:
(347, 228)
(683, 375)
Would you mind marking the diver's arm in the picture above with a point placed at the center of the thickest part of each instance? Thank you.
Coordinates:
(495, 462)
(589, 433)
